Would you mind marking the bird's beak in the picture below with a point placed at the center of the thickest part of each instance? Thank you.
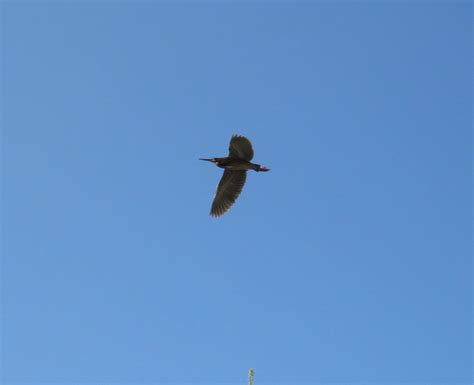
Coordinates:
(209, 160)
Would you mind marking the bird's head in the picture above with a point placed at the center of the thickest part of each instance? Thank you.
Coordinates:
(212, 160)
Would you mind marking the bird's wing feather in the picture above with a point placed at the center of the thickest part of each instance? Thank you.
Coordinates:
(241, 148)
(227, 191)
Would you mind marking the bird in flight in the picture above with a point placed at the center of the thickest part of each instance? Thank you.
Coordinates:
(235, 167)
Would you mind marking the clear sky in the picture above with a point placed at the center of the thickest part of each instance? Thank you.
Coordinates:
(348, 262)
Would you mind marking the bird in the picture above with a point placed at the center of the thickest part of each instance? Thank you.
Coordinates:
(235, 165)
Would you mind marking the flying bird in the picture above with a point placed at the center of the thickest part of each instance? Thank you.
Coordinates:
(235, 167)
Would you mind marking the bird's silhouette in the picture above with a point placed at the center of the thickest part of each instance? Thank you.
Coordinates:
(235, 166)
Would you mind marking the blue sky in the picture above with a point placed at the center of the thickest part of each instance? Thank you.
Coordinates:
(349, 262)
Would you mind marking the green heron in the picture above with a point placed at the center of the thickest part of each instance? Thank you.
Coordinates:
(235, 167)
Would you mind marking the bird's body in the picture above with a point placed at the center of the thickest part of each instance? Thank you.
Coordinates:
(235, 166)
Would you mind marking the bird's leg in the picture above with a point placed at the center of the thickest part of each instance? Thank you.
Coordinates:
(258, 167)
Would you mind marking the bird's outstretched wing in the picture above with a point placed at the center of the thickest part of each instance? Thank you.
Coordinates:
(228, 190)
(241, 148)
